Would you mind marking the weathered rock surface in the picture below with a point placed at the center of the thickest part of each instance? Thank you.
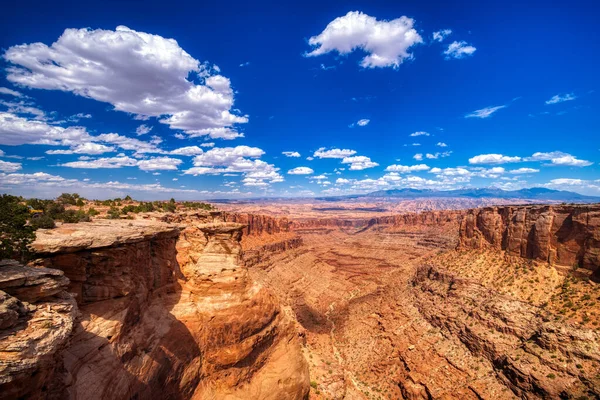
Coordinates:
(535, 357)
(165, 309)
(36, 321)
(567, 235)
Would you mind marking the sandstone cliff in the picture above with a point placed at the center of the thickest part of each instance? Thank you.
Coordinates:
(567, 235)
(166, 308)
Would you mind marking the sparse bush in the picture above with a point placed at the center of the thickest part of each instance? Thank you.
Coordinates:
(43, 222)
(114, 213)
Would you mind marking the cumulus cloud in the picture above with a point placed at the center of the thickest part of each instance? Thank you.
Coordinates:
(493, 159)
(418, 156)
(208, 144)
(290, 153)
(6, 166)
(458, 50)
(404, 169)
(358, 163)
(484, 112)
(523, 171)
(421, 133)
(441, 34)
(143, 129)
(333, 153)
(300, 171)
(441, 144)
(559, 158)
(151, 164)
(386, 43)
(561, 98)
(16, 130)
(234, 160)
(363, 122)
(188, 151)
(139, 73)
(85, 148)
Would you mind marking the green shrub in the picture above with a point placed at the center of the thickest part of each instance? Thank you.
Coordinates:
(15, 234)
(43, 222)
(114, 213)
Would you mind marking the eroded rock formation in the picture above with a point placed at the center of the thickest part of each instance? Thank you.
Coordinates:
(37, 317)
(167, 309)
(567, 235)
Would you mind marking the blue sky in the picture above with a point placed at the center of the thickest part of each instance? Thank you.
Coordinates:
(229, 99)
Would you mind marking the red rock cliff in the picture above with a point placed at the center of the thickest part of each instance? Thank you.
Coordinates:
(566, 235)
(167, 309)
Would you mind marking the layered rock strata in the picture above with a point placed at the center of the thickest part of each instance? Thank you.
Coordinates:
(567, 235)
(170, 309)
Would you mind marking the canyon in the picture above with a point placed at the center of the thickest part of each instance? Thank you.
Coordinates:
(498, 302)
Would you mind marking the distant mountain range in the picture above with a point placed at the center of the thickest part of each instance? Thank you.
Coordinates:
(541, 194)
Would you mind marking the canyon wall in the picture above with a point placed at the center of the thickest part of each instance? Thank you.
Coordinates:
(163, 308)
(567, 235)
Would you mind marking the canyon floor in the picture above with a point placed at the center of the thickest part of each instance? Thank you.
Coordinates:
(379, 324)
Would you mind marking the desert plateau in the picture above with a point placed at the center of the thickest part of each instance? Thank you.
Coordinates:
(497, 302)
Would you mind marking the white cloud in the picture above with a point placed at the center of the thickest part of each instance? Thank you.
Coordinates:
(188, 151)
(561, 98)
(420, 133)
(441, 144)
(112, 162)
(127, 143)
(459, 171)
(333, 153)
(559, 158)
(493, 159)
(363, 122)
(459, 50)
(523, 171)
(41, 184)
(5, 90)
(290, 153)
(441, 34)
(208, 144)
(300, 171)
(418, 156)
(143, 129)
(151, 164)
(385, 42)
(437, 155)
(136, 72)
(159, 163)
(15, 130)
(404, 169)
(231, 160)
(484, 112)
(85, 148)
(6, 166)
(358, 163)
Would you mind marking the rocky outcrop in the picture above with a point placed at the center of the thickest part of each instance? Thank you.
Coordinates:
(256, 224)
(429, 218)
(36, 320)
(167, 308)
(567, 235)
(262, 254)
(533, 355)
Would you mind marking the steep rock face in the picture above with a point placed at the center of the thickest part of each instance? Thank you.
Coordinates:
(36, 320)
(430, 218)
(534, 356)
(565, 235)
(170, 309)
(256, 224)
